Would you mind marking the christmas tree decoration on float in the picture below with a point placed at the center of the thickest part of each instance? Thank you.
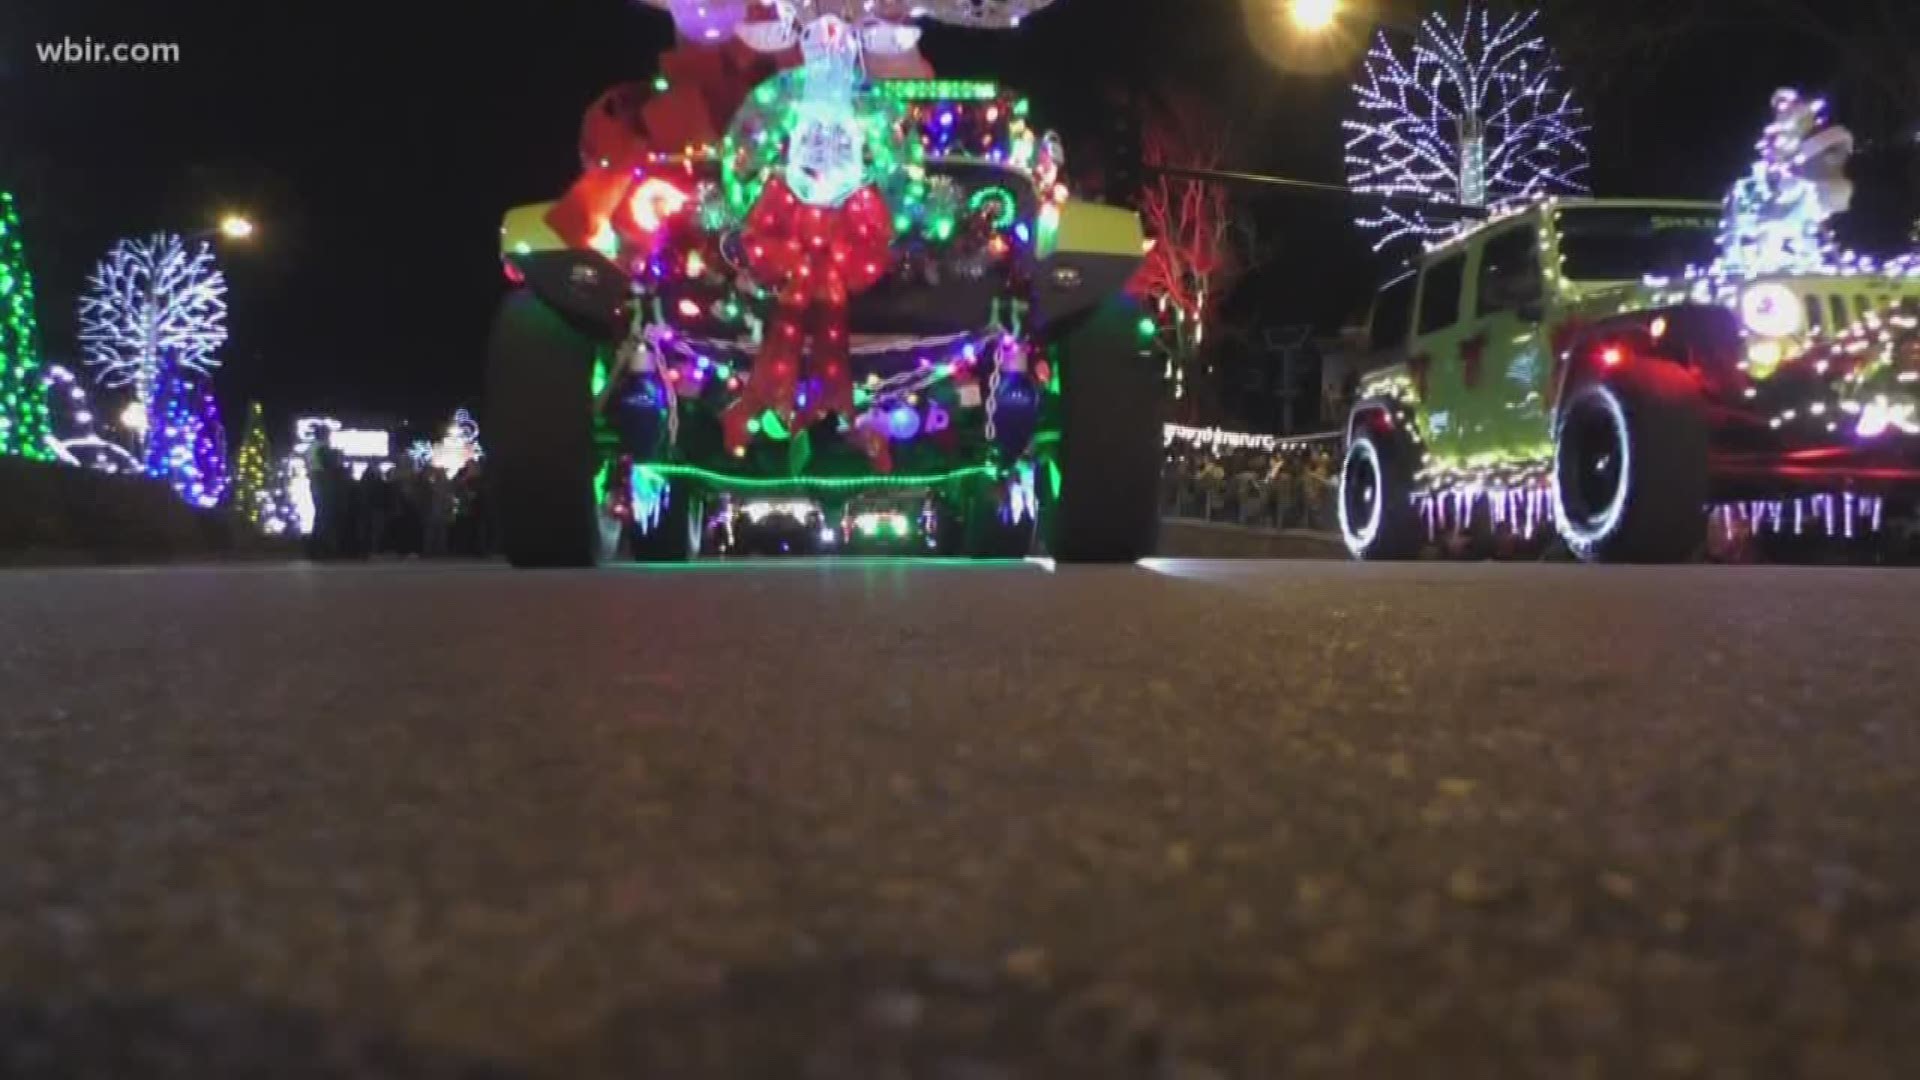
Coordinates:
(1777, 216)
(23, 392)
(1475, 116)
(153, 305)
(798, 264)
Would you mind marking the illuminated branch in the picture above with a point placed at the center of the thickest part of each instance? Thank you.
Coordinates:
(152, 302)
(1189, 224)
(1476, 117)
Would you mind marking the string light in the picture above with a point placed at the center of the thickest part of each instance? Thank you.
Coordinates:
(817, 483)
(75, 430)
(1240, 440)
(711, 20)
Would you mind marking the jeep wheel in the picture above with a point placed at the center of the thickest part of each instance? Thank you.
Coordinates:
(1377, 517)
(1107, 509)
(677, 535)
(541, 454)
(1630, 474)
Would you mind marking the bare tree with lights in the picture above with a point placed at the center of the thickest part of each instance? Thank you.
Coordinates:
(1190, 260)
(1476, 116)
(148, 303)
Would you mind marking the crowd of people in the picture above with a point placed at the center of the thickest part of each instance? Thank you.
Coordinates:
(397, 509)
(1279, 489)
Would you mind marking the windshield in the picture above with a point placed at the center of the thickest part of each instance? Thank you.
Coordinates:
(1627, 244)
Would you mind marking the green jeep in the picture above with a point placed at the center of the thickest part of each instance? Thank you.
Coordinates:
(1567, 363)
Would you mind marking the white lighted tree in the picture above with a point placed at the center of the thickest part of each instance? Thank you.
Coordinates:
(152, 301)
(1475, 115)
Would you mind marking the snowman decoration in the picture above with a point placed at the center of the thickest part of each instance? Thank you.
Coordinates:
(826, 157)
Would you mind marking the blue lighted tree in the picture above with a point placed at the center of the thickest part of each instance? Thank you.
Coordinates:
(186, 441)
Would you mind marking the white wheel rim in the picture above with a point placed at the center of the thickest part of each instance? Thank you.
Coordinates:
(1607, 522)
(1360, 536)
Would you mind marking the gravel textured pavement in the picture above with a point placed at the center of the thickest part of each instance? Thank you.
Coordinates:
(1190, 821)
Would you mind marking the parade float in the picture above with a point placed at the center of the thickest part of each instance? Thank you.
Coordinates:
(1623, 372)
(797, 266)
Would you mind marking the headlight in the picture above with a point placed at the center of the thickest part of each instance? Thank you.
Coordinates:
(1772, 311)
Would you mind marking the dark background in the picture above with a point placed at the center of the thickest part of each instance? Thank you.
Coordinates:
(377, 145)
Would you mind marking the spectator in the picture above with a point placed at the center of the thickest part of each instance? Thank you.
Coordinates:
(330, 483)
(373, 503)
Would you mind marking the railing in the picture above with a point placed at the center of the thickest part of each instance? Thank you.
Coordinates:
(1287, 502)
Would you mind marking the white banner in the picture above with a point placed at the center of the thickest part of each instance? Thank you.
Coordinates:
(1240, 440)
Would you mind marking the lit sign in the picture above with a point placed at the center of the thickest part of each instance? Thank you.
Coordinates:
(368, 445)
(354, 443)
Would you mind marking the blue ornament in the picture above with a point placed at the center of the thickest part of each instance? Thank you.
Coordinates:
(640, 415)
(1016, 413)
(903, 422)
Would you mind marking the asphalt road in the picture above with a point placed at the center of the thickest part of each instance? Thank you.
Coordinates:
(1192, 821)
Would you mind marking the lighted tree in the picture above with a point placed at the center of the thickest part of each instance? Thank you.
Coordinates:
(23, 403)
(252, 496)
(153, 303)
(1475, 116)
(186, 442)
(1189, 223)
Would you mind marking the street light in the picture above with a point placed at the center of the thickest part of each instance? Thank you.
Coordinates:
(1314, 16)
(236, 227)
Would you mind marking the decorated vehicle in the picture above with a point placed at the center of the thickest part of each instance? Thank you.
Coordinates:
(1622, 372)
(799, 267)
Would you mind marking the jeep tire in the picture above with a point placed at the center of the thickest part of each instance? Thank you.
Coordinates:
(541, 453)
(1107, 508)
(1630, 473)
(1378, 519)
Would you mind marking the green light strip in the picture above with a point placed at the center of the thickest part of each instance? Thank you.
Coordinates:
(937, 90)
(823, 564)
(830, 483)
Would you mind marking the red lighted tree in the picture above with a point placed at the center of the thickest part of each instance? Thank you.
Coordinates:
(1190, 262)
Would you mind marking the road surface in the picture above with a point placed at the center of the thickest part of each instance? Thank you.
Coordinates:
(1192, 821)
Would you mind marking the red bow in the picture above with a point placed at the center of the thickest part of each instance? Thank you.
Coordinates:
(817, 258)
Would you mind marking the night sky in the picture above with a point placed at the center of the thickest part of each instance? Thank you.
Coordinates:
(377, 147)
